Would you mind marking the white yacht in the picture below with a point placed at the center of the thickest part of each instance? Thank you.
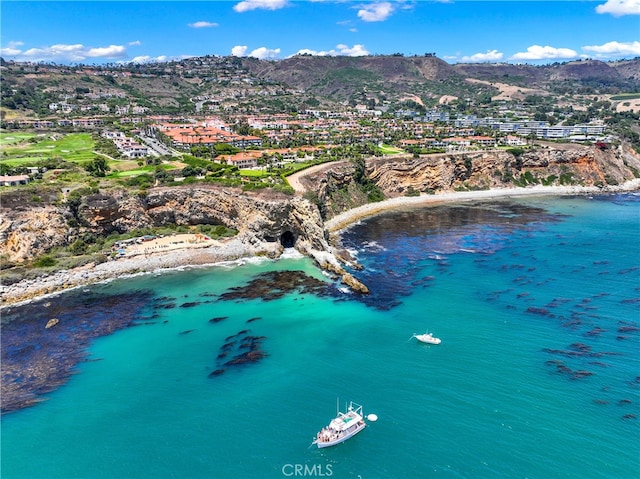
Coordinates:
(342, 427)
(427, 338)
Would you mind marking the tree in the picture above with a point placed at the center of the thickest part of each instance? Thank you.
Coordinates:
(98, 167)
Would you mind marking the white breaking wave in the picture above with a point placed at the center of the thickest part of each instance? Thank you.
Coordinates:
(291, 253)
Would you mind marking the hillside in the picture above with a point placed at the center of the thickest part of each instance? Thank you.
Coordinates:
(396, 76)
(341, 77)
(300, 82)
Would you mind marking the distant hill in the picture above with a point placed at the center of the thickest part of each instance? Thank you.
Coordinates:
(339, 76)
(380, 79)
(306, 81)
(331, 75)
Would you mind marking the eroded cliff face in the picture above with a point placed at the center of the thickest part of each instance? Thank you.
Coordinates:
(268, 220)
(27, 233)
(572, 164)
(400, 175)
(271, 220)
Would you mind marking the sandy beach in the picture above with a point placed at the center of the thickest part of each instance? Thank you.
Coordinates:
(343, 220)
(187, 250)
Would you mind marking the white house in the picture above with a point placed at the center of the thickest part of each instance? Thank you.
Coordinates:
(14, 180)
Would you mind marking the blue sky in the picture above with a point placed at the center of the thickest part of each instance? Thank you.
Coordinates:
(118, 31)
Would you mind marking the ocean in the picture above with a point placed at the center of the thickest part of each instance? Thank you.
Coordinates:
(229, 371)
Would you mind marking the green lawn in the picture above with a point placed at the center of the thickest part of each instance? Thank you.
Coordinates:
(287, 169)
(13, 138)
(253, 173)
(75, 147)
(148, 169)
(390, 150)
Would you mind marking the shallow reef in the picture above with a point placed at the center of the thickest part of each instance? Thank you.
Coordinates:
(39, 354)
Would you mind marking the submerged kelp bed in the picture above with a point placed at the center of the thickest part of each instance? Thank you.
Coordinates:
(36, 359)
(417, 235)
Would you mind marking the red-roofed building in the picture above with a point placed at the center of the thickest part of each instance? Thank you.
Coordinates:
(243, 160)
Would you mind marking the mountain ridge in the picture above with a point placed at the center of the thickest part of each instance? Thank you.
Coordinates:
(305, 81)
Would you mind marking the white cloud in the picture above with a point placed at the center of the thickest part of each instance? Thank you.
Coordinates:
(158, 59)
(112, 51)
(11, 49)
(264, 52)
(618, 8)
(340, 50)
(536, 52)
(247, 5)
(261, 53)
(63, 53)
(375, 12)
(614, 49)
(135, 43)
(202, 24)
(354, 51)
(148, 59)
(489, 56)
(239, 50)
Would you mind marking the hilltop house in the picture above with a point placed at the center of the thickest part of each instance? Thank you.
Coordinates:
(14, 180)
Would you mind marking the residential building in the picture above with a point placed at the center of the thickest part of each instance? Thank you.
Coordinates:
(14, 180)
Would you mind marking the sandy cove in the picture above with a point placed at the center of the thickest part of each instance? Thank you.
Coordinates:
(349, 217)
(180, 251)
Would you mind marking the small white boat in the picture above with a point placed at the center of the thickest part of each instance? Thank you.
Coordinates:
(427, 338)
(342, 427)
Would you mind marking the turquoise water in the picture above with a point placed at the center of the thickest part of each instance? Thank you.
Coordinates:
(537, 376)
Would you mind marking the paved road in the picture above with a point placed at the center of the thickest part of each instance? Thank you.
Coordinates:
(156, 146)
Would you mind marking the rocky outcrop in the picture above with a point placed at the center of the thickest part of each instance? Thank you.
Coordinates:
(475, 170)
(258, 219)
(573, 164)
(27, 233)
(334, 188)
(266, 223)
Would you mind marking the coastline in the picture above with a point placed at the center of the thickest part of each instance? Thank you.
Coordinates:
(343, 220)
(219, 251)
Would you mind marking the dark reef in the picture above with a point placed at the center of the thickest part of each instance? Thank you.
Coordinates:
(242, 347)
(36, 360)
(275, 284)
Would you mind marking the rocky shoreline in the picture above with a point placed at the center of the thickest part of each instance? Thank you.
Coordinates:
(234, 249)
(222, 251)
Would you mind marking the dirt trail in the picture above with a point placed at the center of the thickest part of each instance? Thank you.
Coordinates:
(294, 180)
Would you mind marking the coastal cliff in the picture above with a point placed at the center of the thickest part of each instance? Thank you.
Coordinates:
(474, 170)
(585, 166)
(263, 221)
(268, 221)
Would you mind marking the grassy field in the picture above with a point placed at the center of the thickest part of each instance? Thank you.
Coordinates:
(390, 150)
(14, 138)
(19, 149)
(253, 173)
(128, 168)
(287, 169)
